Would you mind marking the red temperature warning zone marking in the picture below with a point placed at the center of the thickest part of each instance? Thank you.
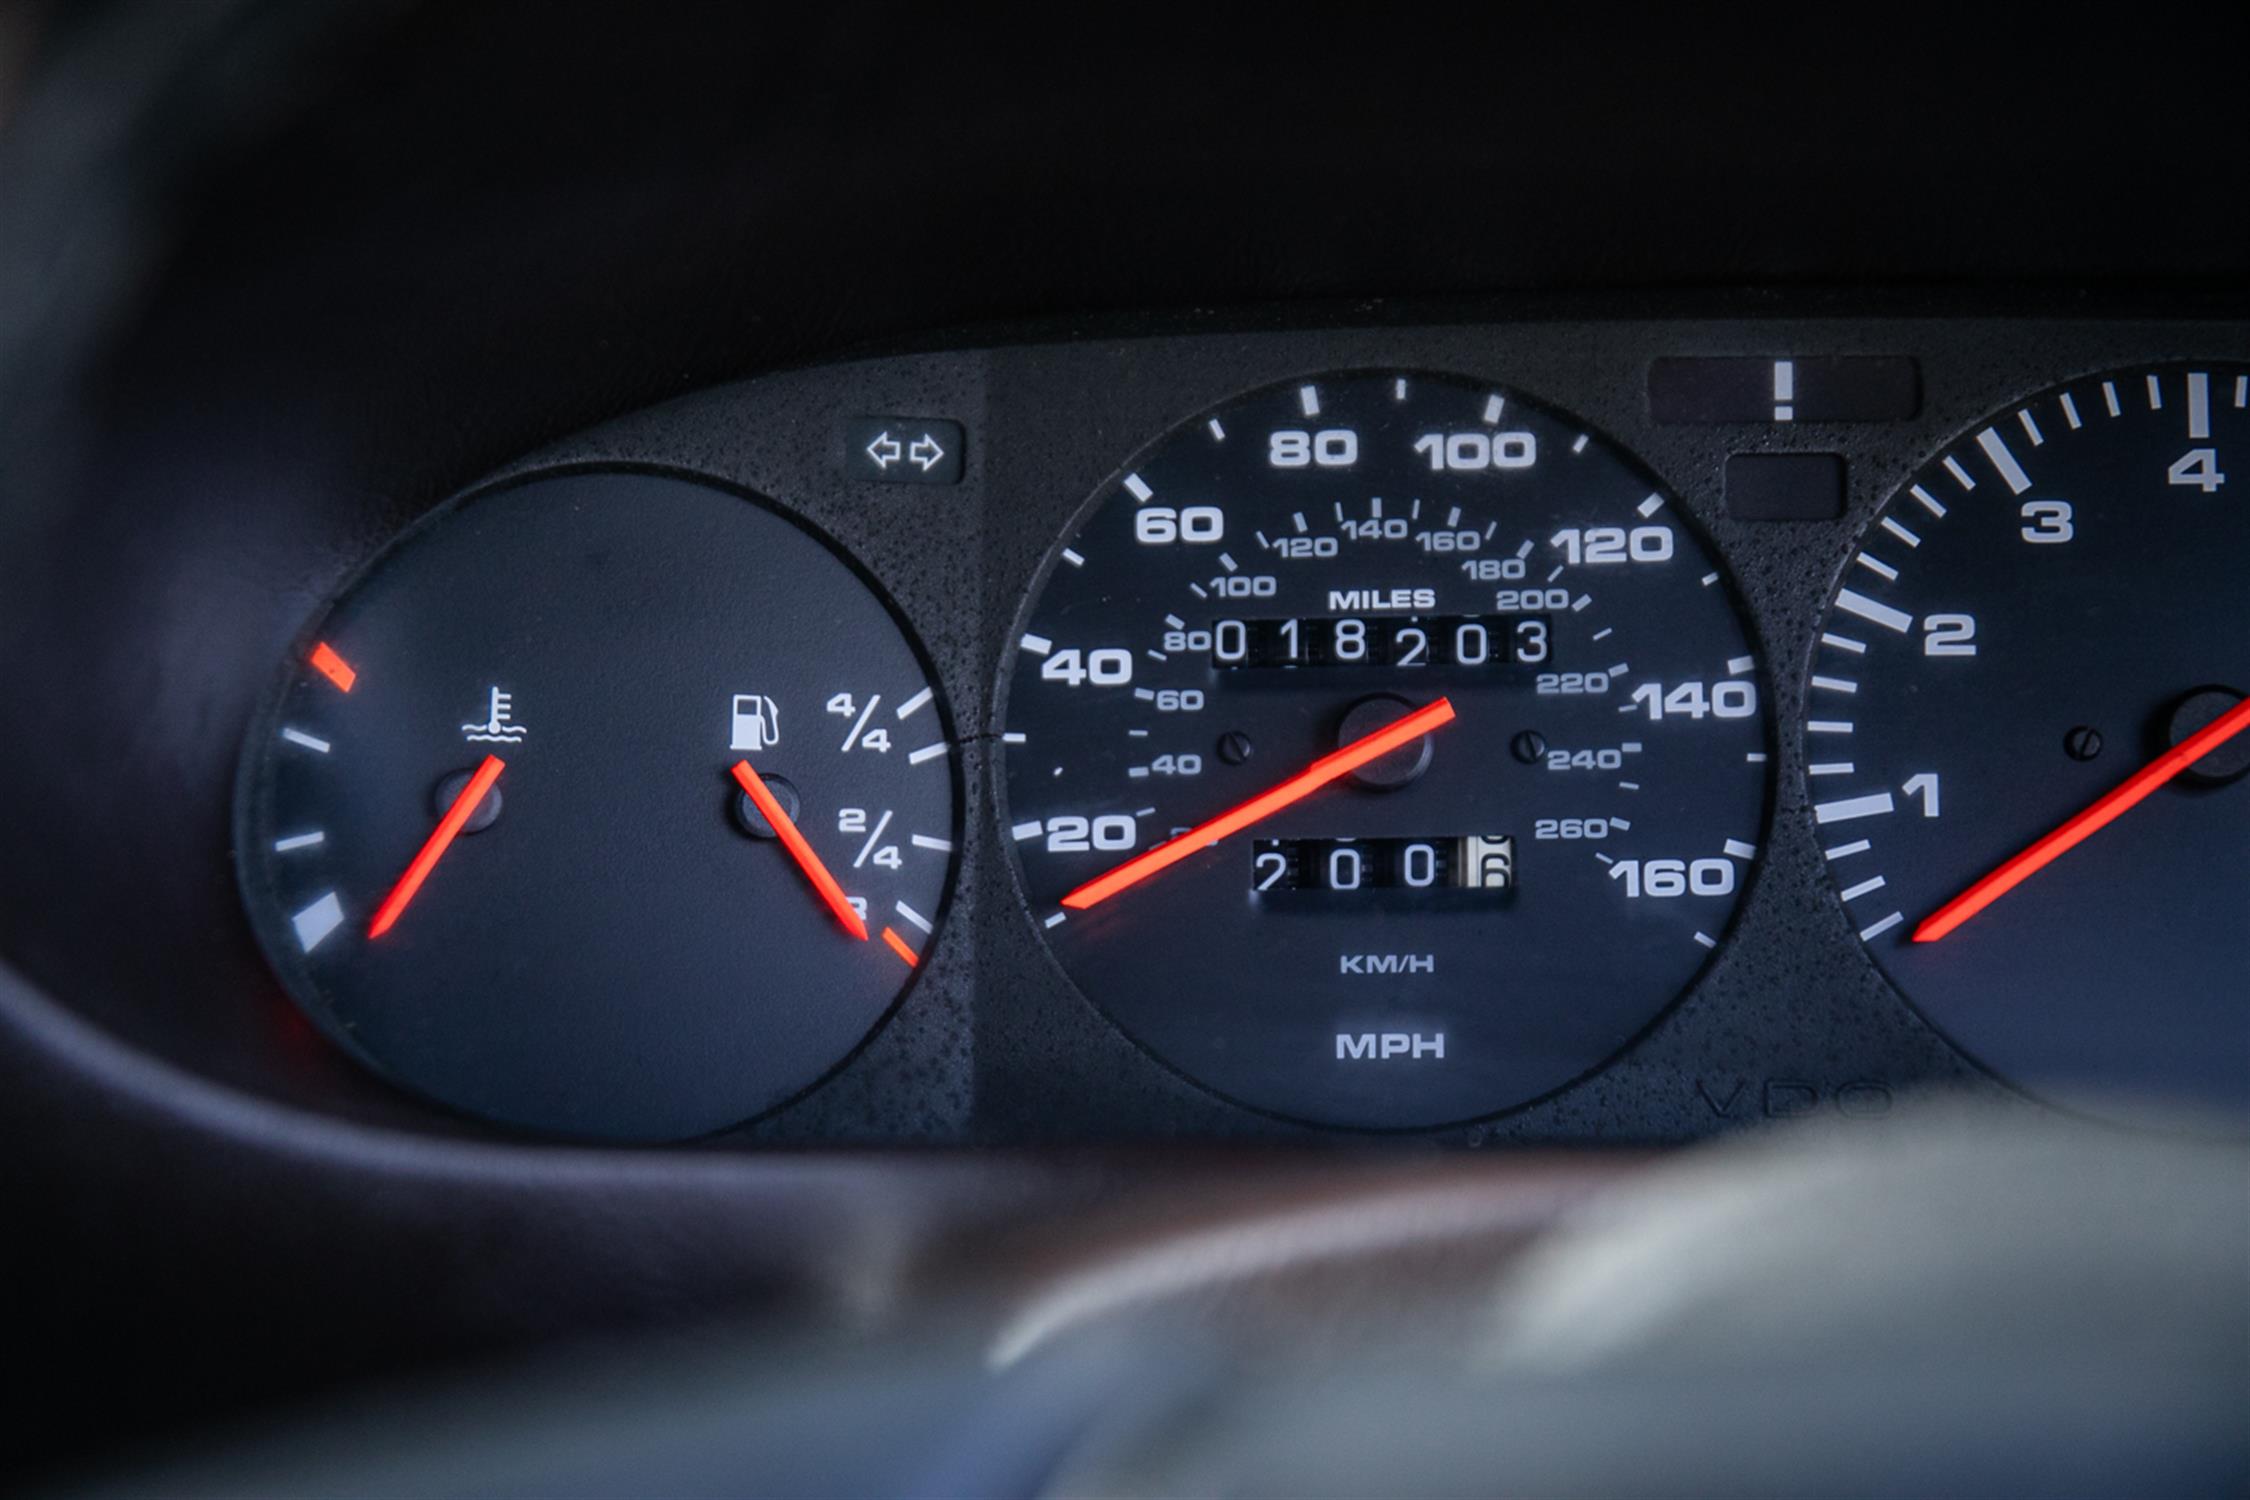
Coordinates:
(328, 664)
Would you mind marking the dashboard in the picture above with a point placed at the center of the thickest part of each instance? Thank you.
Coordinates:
(1371, 757)
(1544, 730)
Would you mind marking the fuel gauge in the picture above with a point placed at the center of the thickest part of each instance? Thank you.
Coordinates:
(607, 804)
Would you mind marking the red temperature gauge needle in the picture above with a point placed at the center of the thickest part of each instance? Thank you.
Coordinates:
(764, 800)
(2086, 824)
(1331, 767)
(433, 848)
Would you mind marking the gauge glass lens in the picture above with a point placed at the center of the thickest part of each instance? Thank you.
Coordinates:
(2032, 635)
(1383, 750)
(609, 804)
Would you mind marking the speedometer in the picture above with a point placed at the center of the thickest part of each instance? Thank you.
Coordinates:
(1383, 750)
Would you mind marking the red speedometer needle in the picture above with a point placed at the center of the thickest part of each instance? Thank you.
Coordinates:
(2087, 823)
(1331, 767)
(434, 847)
(764, 800)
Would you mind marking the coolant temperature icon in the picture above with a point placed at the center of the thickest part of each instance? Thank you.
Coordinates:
(756, 723)
(497, 727)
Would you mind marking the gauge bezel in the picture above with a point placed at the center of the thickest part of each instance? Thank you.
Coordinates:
(1951, 443)
(1025, 909)
(266, 921)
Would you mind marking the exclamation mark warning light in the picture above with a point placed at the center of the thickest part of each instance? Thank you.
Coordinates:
(1754, 389)
(333, 667)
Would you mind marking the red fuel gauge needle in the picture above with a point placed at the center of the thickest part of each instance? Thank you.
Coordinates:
(763, 799)
(2084, 825)
(1332, 767)
(434, 847)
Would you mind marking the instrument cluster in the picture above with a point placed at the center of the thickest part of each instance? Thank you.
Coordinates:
(1542, 731)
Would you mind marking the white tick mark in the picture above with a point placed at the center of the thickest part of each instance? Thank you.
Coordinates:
(1873, 611)
(2004, 461)
(316, 921)
(1844, 809)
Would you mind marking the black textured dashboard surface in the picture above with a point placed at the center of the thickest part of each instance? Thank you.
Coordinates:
(992, 1044)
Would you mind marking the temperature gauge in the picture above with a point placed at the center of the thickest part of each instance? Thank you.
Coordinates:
(611, 804)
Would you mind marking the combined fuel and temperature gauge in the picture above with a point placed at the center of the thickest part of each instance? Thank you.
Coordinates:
(607, 804)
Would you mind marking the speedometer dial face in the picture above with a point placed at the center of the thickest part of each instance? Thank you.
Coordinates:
(1383, 750)
(608, 803)
(2027, 743)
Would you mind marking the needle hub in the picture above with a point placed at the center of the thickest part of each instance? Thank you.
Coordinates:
(1402, 766)
(449, 788)
(755, 823)
(2228, 762)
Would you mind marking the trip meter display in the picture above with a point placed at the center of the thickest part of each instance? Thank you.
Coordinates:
(1383, 750)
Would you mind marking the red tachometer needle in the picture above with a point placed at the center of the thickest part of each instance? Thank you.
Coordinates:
(1332, 767)
(434, 847)
(764, 800)
(2083, 826)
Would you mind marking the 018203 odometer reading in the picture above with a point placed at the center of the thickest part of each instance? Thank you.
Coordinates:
(1383, 750)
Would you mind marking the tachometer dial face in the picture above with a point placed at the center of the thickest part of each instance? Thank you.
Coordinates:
(2026, 738)
(606, 804)
(1383, 750)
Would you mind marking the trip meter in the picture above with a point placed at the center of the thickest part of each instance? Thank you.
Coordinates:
(1383, 750)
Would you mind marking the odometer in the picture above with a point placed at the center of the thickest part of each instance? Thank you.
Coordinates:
(1383, 750)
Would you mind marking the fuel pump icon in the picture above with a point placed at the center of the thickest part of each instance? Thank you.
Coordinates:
(756, 723)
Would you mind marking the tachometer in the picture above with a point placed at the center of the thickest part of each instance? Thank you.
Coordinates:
(1383, 750)
(609, 804)
(2026, 738)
